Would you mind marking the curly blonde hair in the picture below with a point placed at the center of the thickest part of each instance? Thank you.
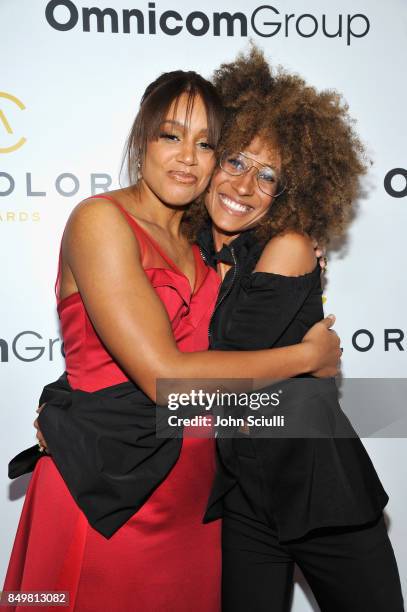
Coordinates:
(322, 157)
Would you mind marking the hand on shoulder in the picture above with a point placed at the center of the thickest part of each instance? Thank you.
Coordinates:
(289, 254)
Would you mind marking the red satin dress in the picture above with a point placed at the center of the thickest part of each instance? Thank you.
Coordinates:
(163, 559)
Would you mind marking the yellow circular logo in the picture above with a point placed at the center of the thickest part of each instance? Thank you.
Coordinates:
(6, 124)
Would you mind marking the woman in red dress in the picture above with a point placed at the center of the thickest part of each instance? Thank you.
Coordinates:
(126, 254)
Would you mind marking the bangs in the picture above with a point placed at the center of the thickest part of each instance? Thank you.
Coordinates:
(161, 103)
(165, 92)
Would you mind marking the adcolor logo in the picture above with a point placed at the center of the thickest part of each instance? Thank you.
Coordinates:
(5, 123)
(363, 340)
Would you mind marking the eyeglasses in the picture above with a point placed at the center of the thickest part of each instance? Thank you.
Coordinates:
(268, 179)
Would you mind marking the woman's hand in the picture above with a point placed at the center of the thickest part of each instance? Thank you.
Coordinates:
(324, 344)
(41, 440)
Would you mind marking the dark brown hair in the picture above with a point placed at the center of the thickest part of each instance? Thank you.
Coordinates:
(322, 157)
(157, 99)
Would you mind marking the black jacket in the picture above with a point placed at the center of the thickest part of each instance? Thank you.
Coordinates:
(308, 482)
(105, 446)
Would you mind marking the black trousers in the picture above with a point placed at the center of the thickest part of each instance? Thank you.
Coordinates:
(348, 569)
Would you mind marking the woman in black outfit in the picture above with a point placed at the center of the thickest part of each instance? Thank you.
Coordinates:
(314, 501)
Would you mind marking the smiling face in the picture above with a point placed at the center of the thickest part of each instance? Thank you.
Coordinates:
(179, 163)
(236, 203)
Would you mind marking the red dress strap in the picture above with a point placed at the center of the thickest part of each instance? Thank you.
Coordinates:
(58, 279)
(57, 286)
(138, 230)
(150, 248)
(152, 255)
(140, 234)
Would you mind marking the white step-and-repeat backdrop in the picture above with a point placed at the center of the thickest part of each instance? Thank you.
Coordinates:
(72, 73)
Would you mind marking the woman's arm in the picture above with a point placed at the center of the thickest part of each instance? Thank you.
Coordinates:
(103, 256)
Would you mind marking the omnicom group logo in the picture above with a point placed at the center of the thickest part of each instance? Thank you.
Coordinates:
(265, 21)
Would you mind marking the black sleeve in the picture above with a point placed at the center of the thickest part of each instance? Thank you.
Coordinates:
(25, 462)
(267, 305)
(106, 448)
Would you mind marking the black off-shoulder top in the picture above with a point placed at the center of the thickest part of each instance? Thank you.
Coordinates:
(309, 483)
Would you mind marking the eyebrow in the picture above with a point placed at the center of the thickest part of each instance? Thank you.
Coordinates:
(182, 125)
(258, 162)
